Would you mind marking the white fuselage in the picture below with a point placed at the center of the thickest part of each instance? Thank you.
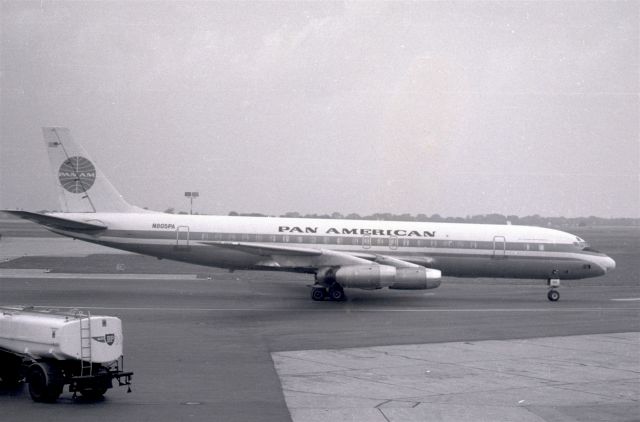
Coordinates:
(459, 250)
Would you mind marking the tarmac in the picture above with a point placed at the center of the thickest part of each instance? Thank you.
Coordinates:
(558, 378)
(206, 344)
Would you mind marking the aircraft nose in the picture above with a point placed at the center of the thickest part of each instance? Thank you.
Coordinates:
(609, 264)
(606, 263)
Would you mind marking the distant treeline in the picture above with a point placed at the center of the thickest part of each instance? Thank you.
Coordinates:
(530, 220)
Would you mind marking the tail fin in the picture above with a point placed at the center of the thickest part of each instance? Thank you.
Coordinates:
(82, 186)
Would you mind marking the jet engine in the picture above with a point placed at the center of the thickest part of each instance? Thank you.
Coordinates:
(359, 276)
(378, 276)
(416, 278)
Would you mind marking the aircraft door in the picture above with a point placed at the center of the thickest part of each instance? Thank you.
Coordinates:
(182, 238)
(393, 242)
(499, 247)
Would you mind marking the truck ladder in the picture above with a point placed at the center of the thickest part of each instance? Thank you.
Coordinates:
(85, 345)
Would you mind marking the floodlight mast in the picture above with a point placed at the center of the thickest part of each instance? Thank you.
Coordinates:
(191, 195)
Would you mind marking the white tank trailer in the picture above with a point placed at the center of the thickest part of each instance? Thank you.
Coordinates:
(50, 349)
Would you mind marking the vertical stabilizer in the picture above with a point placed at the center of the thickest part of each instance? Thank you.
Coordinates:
(82, 187)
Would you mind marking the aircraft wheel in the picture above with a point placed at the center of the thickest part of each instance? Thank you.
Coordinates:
(553, 295)
(318, 293)
(45, 382)
(336, 293)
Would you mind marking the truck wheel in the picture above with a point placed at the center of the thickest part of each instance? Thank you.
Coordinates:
(45, 382)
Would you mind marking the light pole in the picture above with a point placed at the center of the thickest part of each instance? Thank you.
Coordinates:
(191, 195)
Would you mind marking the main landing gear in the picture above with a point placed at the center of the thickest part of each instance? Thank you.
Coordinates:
(553, 295)
(334, 293)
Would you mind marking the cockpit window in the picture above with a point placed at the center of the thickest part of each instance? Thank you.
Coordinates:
(581, 244)
(590, 249)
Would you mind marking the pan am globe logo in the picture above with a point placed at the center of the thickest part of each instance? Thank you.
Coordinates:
(77, 174)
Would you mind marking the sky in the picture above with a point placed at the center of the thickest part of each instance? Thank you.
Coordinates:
(455, 108)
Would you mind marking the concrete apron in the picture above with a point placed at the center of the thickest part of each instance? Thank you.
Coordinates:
(575, 378)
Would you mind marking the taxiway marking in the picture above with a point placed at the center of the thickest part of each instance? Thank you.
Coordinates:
(347, 310)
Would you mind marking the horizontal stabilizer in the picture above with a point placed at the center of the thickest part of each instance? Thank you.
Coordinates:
(56, 222)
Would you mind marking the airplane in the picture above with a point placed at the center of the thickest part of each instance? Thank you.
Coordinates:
(340, 254)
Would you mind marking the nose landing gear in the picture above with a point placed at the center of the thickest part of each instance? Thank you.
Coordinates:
(553, 295)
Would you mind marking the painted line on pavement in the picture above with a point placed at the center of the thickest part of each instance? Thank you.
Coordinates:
(347, 310)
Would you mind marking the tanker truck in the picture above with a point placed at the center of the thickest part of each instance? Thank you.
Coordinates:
(51, 348)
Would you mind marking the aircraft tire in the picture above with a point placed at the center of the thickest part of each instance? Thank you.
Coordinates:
(45, 382)
(553, 295)
(318, 293)
(336, 293)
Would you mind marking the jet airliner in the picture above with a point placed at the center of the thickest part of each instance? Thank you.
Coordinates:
(339, 253)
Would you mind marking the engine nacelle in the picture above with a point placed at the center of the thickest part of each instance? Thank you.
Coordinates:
(379, 276)
(416, 278)
(359, 276)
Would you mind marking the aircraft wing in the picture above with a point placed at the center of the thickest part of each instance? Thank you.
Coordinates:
(265, 250)
(386, 260)
(309, 258)
(56, 222)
